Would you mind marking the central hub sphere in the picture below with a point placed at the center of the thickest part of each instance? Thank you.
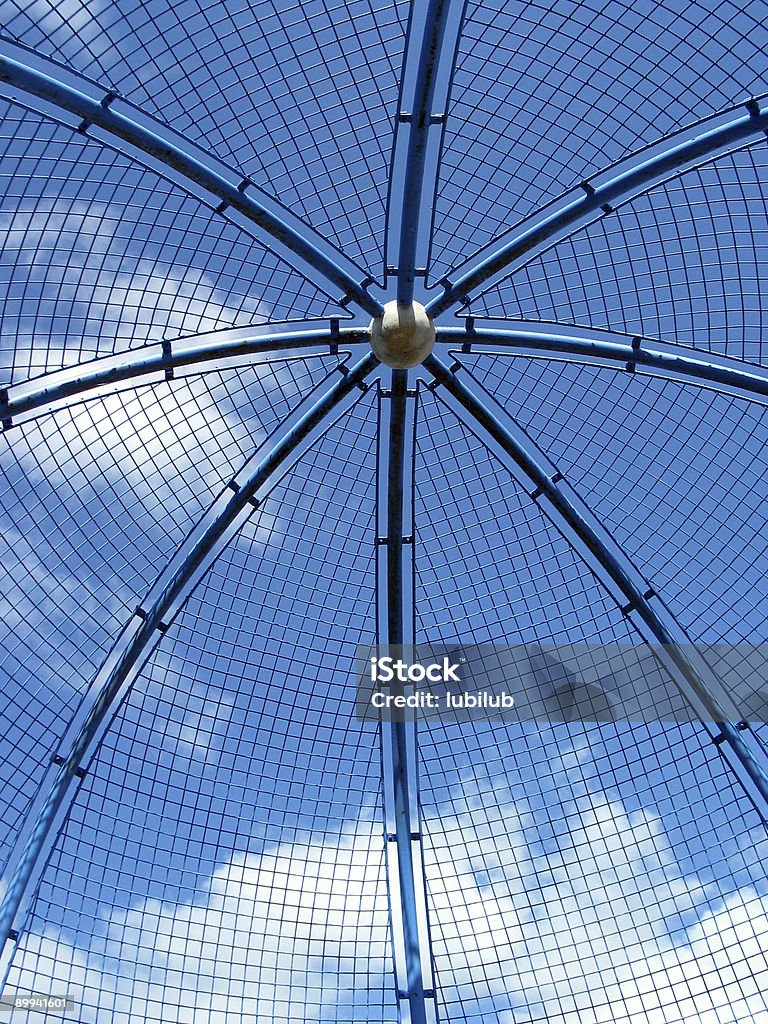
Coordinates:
(403, 336)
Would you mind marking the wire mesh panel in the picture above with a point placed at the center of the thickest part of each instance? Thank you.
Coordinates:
(224, 854)
(524, 578)
(682, 263)
(101, 256)
(300, 97)
(574, 873)
(596, 875)
(545, 95)
(676, 471)
(96, 498)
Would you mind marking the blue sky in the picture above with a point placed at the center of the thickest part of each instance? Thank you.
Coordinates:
(224, 858)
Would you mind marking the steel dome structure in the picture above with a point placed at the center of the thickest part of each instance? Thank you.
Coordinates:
(213, 491)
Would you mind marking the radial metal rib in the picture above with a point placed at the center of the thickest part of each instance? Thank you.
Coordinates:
(619, 183)
(632, 592)
(119, 120)
(418, 114)
(162, 360)
(624, 352)
(405, 865)
(143, 631)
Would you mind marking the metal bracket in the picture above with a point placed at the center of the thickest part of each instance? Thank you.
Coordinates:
(631, 365)
(167, 356)
(538, 491)
(753, 108)
(7, 421)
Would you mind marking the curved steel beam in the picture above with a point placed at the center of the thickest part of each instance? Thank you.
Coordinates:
(632, 592)
(405, 862)
(175, 153)
(419, 115)
(619, 183)
(624, 352)
(161, 360)
(222, 521)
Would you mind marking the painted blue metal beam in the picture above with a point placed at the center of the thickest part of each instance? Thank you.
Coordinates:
(162, 360)
(118, 120)
(624, 352)
(420, 117)
(395, 635)
(619, 183)
(395, 483)
(405, 864)
(228, 513)
(639, 601)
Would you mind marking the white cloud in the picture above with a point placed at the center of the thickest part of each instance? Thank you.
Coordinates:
(77, 15)
(580, 935)
(197, 726)
(50, 227)
(174, 444)
(70, 23)
(167, 441)
(127, 475)
(94, 294)
(278, 936)
(110, 486)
